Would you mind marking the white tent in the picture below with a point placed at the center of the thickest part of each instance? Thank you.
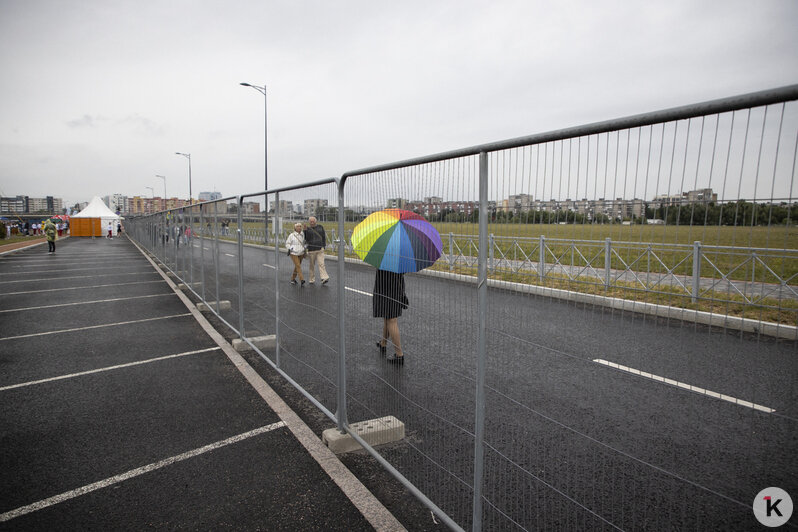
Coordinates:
(98, 210)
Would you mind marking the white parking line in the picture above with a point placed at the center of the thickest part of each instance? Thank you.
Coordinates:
(359, 291)
(685, 386)
(108, 368)
(85, 302)
(135, 472)
(82, 277)
(95, 326)
(79, 287)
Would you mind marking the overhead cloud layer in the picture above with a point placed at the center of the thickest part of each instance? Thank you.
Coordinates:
(97, 96)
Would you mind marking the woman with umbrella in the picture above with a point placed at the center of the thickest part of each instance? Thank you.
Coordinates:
(395, 242)
(388, 302)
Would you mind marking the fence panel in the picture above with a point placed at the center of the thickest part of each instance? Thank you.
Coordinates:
(432, 392)
(601, 417)
(607, 340)
(304, 316)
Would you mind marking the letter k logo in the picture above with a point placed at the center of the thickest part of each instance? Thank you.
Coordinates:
(771, 506)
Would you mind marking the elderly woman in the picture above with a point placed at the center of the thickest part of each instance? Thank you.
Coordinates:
(296, 250)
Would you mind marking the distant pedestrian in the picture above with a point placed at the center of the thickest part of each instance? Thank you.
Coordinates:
(110, 231)
(50, 231)
(118, 228)
(295, 243)
(316, 240)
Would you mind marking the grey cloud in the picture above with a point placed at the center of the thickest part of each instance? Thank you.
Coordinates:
(86, 121)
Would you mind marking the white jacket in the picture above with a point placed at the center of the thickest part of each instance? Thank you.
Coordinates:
(295, 243)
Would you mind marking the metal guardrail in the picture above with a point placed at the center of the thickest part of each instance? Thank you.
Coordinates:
(754, 275)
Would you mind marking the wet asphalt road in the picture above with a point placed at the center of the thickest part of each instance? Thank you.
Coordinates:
(569, 442)
(120, 412)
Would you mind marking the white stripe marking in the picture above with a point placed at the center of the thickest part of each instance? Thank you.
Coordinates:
(85, 302)
(685, 386)
(94, 327)
(359, 291)
(270, 266)
(50, 270)
(229, 255)
(79, 287)
(108, 368)
(38, 280)
(135, 472)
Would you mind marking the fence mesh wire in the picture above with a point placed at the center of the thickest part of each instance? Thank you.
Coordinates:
(640, 319)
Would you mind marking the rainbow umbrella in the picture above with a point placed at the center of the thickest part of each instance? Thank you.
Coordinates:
(397, 241)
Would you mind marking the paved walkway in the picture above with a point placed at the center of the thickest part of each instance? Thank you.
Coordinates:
(124, 409)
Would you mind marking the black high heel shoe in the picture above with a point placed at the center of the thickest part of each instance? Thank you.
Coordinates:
(382, 348)
(394, 359)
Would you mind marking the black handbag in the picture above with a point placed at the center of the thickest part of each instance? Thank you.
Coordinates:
(404, 303)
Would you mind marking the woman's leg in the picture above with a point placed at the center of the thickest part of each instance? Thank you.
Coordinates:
(297, 267)
(392, 325)
(384, 339)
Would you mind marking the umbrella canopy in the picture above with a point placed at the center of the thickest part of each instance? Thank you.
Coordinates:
(397, 241)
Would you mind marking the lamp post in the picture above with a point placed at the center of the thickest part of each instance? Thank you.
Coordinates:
(152, 196)
(262, 90)
(187, 156)
(164, 190)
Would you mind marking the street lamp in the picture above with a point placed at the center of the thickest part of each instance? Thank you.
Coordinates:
(164, 189)
(148, 210)
(262, 90)
(164, 185)
(187, 156)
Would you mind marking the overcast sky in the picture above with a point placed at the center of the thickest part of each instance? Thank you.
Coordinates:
(97, 95)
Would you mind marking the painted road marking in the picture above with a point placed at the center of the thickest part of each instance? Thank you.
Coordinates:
(85, 302)
(108, 368)
(135, 472)
(685, 386)
(359, 291)
(229, 255)
(270, 266)
(50, 270)
(149, 272)
(94, 327)
(80, 287)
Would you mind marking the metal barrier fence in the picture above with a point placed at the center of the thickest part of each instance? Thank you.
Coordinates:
(564, 369)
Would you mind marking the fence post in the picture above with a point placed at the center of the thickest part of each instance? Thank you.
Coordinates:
(696, 270)
(607, 261)
(276, 281)
(215, 233)
(341, 414)
(202, 253)
(482, 294)
(451, 251)
(490, 248)
(542, 258)
(240, 270)
(190, 245)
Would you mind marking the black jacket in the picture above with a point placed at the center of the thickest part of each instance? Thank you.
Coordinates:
(315, 238)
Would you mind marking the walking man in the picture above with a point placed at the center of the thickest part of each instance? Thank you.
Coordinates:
(316, 240)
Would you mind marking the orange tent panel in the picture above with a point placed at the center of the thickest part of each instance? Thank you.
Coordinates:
(85, 227)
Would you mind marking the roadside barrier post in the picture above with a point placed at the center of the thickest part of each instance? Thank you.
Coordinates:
(482, 294)
(696, 270)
